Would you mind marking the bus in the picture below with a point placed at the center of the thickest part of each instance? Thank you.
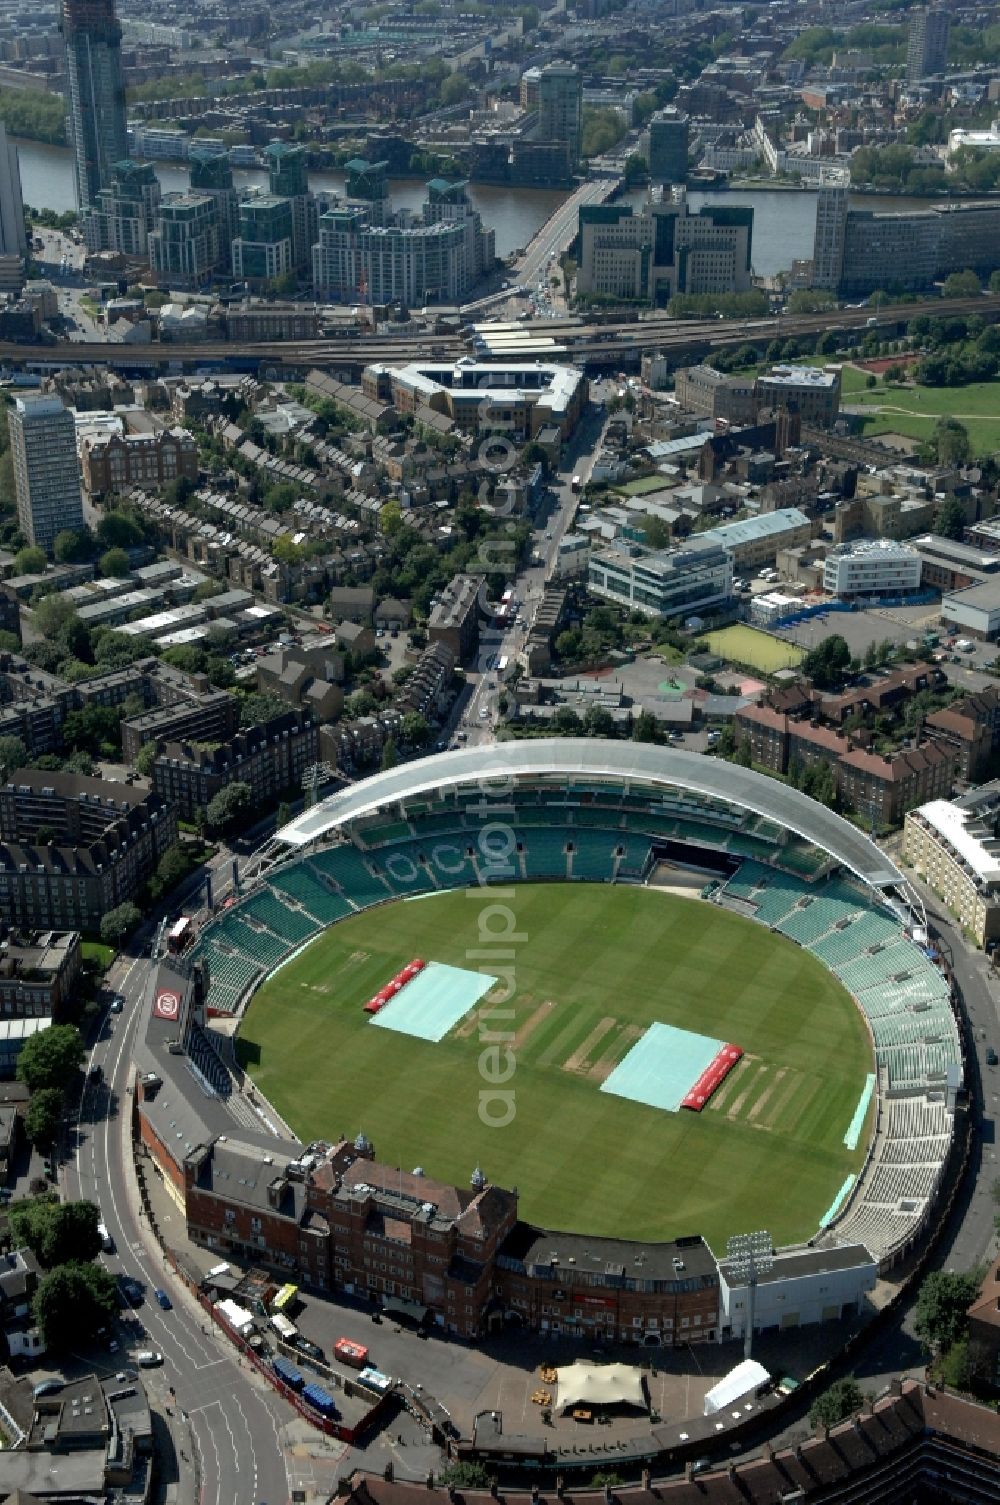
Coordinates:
(505, 611)
(180, 934)
(285, 1301)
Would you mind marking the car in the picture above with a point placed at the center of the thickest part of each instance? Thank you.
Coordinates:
(131, 1291)
(483, 713)
(312, 1349)
(149, 1358)
(117, 1003)
(991, 1056)
(163, 1299)
(47, 1387)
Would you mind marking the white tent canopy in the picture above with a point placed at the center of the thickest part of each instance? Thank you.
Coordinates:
(595, 1385)
(738, 1382)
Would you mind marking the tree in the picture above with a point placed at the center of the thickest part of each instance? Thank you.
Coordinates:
(73, 546)
(115, 564)
(843, 1399)
(951, 440)
(72, 1302)
(949, 520)
(284, 814)
(57, 1233)
(961, 285)
(145, 758)
(566, 722)
(390, 756)
(51, 1058)
(54, 616)
(942, 1303)
(44, 1115)
(260, 706)
(454, 89)
(598, 722)
(13, 754)
(172, 867)
(645, 728)
(827, 663)
(116, 531)
(228, 805)
(117, 925)
(30, 561)
(390, 518)
(416, 729)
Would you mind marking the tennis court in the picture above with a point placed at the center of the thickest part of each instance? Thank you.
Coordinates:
(433, 1002)
(661, 1068)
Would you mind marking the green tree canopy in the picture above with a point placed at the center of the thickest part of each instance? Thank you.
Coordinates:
(57, 1233)
(827, 664)
(117, 925)
(30, 561)
(72, 1302)
(644, 728)
(226, 807)
(843, 1399)
(114, 564)
(145, 758)
(73, 546)
(44, 1115)
(13, 754)
(942, 1304)
(949, 520)
(51, 1058)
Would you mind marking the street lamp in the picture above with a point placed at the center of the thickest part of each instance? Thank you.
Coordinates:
(749, 1255)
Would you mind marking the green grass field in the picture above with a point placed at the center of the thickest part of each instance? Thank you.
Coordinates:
(767, 1152)
(756, 650)
(914, 411)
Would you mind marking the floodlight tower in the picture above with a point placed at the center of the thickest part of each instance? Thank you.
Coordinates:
(749, 1255)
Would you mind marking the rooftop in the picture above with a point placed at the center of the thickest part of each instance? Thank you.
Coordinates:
(558, 761)
(969, 836)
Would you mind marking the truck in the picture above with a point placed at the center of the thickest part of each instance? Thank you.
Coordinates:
(575, 485)
(349, 1352)
(284, 1328)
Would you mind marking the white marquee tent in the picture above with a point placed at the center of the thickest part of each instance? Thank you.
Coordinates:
(600, 1385)
(735, 1385)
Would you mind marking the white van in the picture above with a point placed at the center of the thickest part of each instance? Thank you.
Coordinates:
(107, 1242)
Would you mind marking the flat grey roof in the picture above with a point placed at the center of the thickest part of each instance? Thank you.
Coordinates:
(617, 762)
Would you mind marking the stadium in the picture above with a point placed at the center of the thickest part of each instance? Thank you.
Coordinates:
(728, 1015)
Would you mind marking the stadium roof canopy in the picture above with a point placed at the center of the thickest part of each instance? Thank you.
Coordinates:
(628, 763)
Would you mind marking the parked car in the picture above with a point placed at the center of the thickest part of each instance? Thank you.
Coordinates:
(312, 1349)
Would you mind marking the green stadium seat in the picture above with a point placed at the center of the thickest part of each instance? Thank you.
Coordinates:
(267, 908)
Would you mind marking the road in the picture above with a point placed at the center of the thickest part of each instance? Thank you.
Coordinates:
(474, 719)
(235, 1425)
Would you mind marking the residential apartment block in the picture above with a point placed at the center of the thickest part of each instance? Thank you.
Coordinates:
(101, 843)
(270, 758)
(953, 845)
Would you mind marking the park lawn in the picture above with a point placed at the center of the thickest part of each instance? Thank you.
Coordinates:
(984, 433)
(97, 952)
(767, 1151)
(977, 400)
(753, 649)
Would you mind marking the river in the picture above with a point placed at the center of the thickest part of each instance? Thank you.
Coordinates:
(514, 213)
(783, 222)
